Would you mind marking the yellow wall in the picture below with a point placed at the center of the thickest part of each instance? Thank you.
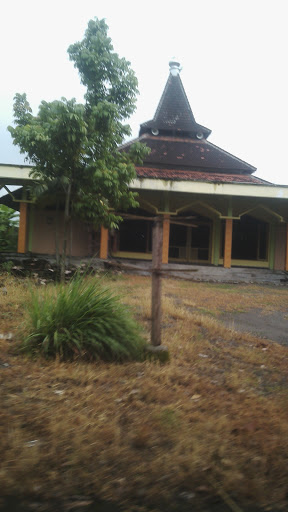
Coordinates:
(43, 235)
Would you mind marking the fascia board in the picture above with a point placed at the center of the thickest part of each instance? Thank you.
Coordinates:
(14, 175)
(221, 189)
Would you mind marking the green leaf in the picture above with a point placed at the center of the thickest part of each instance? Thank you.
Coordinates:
(74, 146)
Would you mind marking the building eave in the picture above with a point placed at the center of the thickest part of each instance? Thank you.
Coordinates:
(20, 175)
(15, 174)
(218, 189)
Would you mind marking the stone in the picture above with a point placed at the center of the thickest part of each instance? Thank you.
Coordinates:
(7, 336)
(187, 496)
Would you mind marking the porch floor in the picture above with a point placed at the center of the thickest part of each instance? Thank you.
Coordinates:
(208, 273)
(204, 273)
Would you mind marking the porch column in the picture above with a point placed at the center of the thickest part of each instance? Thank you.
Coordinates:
(286, 257)
(31, 227)
(216, 242)
(228, 243)
(104, 243)
(272, 246)
(165, 243)
(22, 231)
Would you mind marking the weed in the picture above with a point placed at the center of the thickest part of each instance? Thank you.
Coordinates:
(7, 266)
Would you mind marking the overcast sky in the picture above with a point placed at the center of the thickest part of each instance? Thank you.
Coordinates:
(233, 54)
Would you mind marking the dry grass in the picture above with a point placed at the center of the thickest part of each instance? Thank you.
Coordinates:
(216, 415)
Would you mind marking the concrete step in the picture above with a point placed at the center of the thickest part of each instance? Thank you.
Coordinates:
(212, 274)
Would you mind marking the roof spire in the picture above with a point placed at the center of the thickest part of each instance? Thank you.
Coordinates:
(174, 67)
(174, 115)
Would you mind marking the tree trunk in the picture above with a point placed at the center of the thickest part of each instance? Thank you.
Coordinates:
(57, 251)
(65, 234)
(156, 282)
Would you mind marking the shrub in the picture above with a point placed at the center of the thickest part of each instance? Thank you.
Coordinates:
(6, 266)
(81, 319)
(9, 220)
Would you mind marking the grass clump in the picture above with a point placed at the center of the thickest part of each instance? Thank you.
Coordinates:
(81, 319)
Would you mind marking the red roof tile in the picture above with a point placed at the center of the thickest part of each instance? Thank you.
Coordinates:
(186, 175)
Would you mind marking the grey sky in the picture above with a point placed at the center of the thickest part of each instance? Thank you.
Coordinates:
(233, 54)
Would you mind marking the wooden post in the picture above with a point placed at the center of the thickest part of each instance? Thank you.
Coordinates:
(31, 227)
(22, 231)
(156, 282)
(188, 243)
(286, 259)
(216, 242)
(166, 234)
(115, 241)
(272, 236)
(104, 243)
(228, 243)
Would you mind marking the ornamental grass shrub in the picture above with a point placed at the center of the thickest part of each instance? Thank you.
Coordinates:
(81, 319)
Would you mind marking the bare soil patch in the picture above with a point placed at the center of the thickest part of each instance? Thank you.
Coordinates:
(272, 326)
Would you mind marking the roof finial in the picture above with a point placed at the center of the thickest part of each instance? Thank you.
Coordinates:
(174, 67)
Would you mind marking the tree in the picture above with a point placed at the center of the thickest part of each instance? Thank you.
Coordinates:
(74, 147)
(8, 228)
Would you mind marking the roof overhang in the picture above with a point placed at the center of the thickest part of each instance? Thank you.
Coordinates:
(217, 189)
(15, 174)
(20, 175)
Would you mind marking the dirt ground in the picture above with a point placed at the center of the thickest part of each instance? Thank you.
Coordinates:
(228, 389)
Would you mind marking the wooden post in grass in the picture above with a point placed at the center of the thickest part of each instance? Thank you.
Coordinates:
(156, 350)
(157, 239)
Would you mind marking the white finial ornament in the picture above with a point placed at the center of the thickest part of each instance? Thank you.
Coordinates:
(174, 67)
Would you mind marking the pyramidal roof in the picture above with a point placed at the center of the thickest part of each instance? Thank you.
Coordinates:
(178, 143)
(174, 115)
